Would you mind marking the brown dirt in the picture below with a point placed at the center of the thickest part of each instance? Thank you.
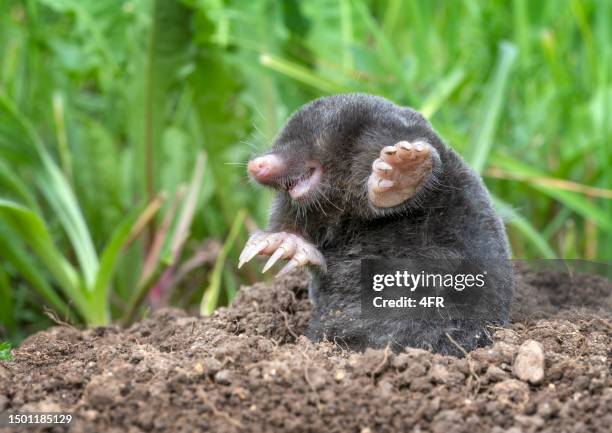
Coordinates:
(247, 369)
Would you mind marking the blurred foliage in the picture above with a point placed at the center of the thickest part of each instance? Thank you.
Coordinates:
(106, 103)
(5, 351)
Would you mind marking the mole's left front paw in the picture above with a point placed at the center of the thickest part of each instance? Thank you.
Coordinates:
(398, 172)
(281, 245)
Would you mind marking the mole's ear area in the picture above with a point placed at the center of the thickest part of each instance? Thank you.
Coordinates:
(266, 167)
(399, 172)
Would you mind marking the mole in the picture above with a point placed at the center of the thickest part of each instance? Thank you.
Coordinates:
(357, 176)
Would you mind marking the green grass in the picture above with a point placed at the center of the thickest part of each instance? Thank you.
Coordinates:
(105, 106)
(5, 351)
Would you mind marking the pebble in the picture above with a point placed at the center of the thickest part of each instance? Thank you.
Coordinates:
(529, 362)
(223, 377)
(211, 365)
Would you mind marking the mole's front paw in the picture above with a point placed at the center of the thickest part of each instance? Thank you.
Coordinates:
(281, 245)
(399, 172)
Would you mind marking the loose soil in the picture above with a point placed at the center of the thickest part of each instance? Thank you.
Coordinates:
(248, 369)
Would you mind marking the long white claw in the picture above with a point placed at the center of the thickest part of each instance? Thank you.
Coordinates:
(281, 245)
(280, 252)
(255, 237)
(292, 264)
(284, 250)
(252, 251)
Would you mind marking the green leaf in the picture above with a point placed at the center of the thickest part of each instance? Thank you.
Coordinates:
(525, 227)
(7, 313)
(13, 251)
(122, 235)
(491, 109)
(169, 53)
(572, 200)
(10, 183)
(210, 299)
(5, 352)
(302, 74)
(60, 196)
(57, 190)
(441, 92)
(33, 231)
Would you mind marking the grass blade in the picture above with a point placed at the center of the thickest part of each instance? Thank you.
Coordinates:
(442, 91)
(57, 190)
(129, 228)
(301, 74)
(525, 227)
(211, 294)
(492, 107)
(61, 198)
(168, 51)
(12, 251)
(33, 231)
(7, 318)
(572, 200)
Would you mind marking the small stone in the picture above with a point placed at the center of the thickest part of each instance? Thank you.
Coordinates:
(223, 377)
(211, 365)
(529, 362)
(340, 375)
(198, 368)
(548, 409)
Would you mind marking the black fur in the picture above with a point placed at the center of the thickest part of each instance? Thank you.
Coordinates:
(451, 216)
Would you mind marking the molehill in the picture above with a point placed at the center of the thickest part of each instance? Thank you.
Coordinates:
(248, 369)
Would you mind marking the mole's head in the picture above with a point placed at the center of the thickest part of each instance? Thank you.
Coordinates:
(324, 153)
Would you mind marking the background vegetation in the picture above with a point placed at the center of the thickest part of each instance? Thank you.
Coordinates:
(125, 125)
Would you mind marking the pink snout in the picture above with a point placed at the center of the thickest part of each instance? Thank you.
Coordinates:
(265, 167)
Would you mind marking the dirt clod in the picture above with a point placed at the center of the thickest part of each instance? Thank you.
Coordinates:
(247, 368)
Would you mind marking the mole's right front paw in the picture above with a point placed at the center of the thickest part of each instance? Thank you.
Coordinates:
(399, 172)
(281, 245)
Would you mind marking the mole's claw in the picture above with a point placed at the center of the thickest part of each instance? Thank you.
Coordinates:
(381, 167)
(255, 237)
(286, 249)
(389, 150)
(288, 267)
(281, 245)
(253, 250)
(273, 259)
